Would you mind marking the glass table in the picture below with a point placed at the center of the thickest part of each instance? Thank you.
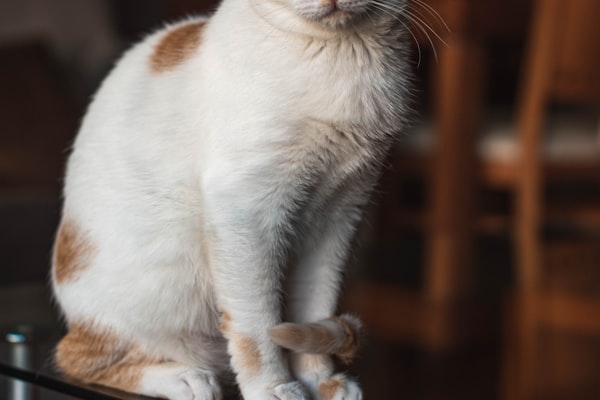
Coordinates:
(22, 384)
(29, 330)
(26, 347)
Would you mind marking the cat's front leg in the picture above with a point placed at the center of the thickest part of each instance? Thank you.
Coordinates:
(260, 368)
(250, 306)
(246, 258)
(314, 290)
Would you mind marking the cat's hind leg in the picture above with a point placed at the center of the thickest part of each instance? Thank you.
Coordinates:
(95, 356)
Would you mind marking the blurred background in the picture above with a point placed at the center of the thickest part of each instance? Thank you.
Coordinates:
(477, 271)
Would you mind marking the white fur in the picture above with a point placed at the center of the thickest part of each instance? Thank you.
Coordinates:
(198, 184)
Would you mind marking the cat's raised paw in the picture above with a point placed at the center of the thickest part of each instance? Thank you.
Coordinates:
(339, 387)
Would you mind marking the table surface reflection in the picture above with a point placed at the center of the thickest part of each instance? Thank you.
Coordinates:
(29, 331)
(26, 371)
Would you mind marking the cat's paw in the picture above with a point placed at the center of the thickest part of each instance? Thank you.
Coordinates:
(203, 384)
(339, 387)
(316, 372)
(290, 391)
(283, 391)
(181, 383)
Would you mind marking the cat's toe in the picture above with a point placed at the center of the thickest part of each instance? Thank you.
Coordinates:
(176, 382)
(339, 387)
(203, 385)
(290, 391)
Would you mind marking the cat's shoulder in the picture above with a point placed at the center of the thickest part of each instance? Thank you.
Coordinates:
(167, 48)
(175, 43)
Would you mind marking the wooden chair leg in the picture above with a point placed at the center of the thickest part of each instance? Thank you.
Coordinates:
(509, 367)
(521, 336)
(450, 249)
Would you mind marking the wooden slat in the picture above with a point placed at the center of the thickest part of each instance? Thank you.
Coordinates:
(399, 315)
(494, 224)
(486, 17)
(504, 175)
(577, 313)
(578, 56)
(584, 216)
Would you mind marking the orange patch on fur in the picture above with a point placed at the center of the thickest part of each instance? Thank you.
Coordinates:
(176, 46)
(244, 349)
(347, 354)
(225, 322)
(328, 389)
(93, 356)
(72, 252)
(249, 354)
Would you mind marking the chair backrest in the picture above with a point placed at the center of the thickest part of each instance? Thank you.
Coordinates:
(562, 63)
(577, 54)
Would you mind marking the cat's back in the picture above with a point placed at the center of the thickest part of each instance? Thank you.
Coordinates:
(147, 80)
(137, 132)
(129, 173)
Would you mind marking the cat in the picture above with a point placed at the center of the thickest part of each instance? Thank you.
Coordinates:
(213, 192)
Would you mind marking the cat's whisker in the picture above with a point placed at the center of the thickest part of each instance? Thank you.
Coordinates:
(416, 43)
(381, 7)
(426, 19)
(424, 24)
(394, 10)
(420, 13)
(416, 22)
(419, 24)
(433, 12)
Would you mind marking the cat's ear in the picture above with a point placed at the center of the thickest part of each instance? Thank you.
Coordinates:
(336, 336)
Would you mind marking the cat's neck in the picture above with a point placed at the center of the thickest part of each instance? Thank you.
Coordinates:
(363, 69)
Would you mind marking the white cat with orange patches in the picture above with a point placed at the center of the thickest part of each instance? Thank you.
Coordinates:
(224, 160)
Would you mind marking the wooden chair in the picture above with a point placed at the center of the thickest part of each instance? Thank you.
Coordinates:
(562, 65)
(440, 314)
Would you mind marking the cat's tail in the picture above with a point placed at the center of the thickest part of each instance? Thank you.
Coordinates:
(336, 335)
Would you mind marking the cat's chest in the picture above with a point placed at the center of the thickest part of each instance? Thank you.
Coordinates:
(325, 157)
(342, 79)
(340, 149)
(299, 160)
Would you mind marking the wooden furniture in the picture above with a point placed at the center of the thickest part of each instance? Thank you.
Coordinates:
(562, 64)
(38, 119)
(459, 87)
(441, 314)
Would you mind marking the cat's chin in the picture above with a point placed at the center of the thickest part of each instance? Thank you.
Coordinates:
(319, 18)
(337, 20)
(332, 14)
